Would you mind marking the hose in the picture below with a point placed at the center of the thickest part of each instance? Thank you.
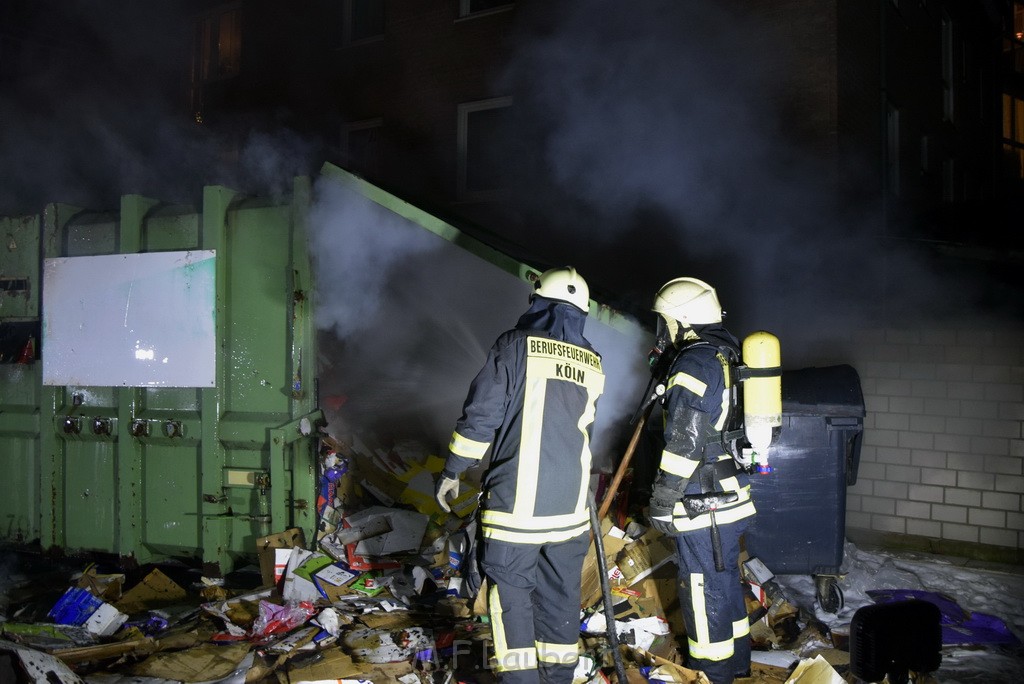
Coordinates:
(606, 591)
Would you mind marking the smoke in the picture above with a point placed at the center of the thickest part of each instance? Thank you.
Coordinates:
(658, 119)
(406, 320)
(677, 138)
(95, 104)
(359, 249)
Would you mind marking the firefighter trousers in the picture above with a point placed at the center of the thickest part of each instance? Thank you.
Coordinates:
(534, 604)
(718, 633)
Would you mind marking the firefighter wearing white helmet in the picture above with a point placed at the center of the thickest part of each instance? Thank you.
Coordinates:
(532, 408)
(700, 497)
(564, 284)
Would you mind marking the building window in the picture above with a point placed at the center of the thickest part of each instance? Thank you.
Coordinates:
(1013, 136)
(892, 150)
(219, 43)
(362, 21)
(948, 70)
(483, 137)
(474, 8)
(1013, 44)
(361, 147)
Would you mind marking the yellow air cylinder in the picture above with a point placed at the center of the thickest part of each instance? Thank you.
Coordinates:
(762, 391)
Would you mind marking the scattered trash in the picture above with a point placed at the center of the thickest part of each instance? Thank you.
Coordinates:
(387, 589)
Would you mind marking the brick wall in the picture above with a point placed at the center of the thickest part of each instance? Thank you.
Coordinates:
(943, 450)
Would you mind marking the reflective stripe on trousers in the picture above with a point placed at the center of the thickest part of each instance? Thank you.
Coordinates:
(712, 603)
(534, 604)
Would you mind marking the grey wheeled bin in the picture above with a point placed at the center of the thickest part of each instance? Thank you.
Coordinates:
(800, 524)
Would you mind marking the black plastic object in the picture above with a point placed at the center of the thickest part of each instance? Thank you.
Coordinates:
(894, 639)
(800, 524)
(606, 591)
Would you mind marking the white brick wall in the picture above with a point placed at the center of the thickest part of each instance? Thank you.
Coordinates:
(943, 449)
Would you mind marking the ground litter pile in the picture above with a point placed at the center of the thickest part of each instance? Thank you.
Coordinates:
(383, 589)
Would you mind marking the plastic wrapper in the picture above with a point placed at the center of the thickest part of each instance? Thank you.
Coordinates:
(277, 619)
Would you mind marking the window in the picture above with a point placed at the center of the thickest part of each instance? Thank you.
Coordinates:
(361, 145)
(1013, 136)
(1013, 44)
(478, 7)
(219, 43)
(362, 21)
(892, 149)
(483, 138)
(949, 76)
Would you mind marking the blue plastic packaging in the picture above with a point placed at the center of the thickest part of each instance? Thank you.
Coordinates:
(74, 607)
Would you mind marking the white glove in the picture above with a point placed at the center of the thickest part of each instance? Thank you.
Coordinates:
(444, 487)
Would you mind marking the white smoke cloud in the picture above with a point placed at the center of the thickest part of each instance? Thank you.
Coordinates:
(407, 320)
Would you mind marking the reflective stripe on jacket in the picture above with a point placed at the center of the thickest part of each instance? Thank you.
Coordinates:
(533, 405)
(699, 379)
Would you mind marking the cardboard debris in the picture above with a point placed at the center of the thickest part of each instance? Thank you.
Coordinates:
(46, 636)
(203, 663)
(614, 541)
(298, 583)
(405, 533)
(367, 528)
(240, 612)
(815, 671)
(107, 587)
(333, 665)
(384, 594)
(369, 645)
(639, 559)
(668, 671)
(156, 589)
(266, 550)
(41, 667)
(81, 654)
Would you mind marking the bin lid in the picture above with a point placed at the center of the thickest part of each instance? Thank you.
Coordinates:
(822, 391)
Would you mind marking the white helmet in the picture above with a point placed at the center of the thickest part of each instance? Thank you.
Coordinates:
(566, 285)
(689, 301)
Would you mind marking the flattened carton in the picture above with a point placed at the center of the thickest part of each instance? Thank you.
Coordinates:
(267, 549)
(637, 560)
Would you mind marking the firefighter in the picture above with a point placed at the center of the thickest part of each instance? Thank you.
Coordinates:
(700, 497)
(533, 406)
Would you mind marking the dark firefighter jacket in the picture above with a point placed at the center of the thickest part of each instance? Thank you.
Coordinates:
(533, 405)
(698, 386)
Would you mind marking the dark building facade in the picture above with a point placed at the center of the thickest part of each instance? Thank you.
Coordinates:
(915, 107)
(492, 113)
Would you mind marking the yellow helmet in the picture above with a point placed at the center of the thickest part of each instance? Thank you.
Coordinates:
(564, 284)
(689, 301)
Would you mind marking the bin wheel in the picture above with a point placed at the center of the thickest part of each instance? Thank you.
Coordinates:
(830, 596)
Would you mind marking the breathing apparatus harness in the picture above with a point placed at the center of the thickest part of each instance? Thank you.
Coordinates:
(711, 470)
(661, 360)
(749, 432)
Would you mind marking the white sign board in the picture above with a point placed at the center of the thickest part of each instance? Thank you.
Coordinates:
(130, 320)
